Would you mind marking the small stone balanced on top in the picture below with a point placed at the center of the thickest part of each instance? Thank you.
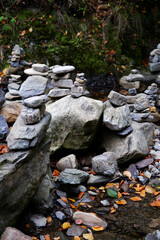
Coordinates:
(78, 89)
(132, 80)
(30, 127)
(154, 65)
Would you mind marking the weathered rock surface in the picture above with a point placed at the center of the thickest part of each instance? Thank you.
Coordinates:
(9, 96)
(74, 122)
(89, 219)
(24, 136)
(35, 102)
(2, 97)
(38, 220)
(141, 104)
(72, 176)
(11, 233)
(31, 71)
(40, 67)
(3, 128)
(75, 230)
(21, 173)
(117, 118)
(97, 179)
(33, 86)
(11, 111)
(63, 69)
(132, 147)
(117, 99)
(62, 83)
(105, 163)
(69, 161)
(127, 85)
(32, 115)
(58, 92)
(153, 236)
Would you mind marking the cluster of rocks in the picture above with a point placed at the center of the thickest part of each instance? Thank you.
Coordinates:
(154, 59)
(14, 84)
(132, 80)
(37, 69)
(17, 63)
(78, 89)
(60, 81)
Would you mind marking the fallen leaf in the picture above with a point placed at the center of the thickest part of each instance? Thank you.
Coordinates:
(155, 203)
(30, 29)
(64, 199)
(47, 237)
(72, 206)
(66, 225)
(71, 199)
(49, 219)
(23, 32)
(27, 226)
(101, 188)
(143, 193)
(55, 173)
(157, 193)
(138, 188)
(76, 238)
(80, 195)
(119, 195)
(136, 199)
(88, 236)
(150, 190)
(121, 202)
(125, 193)
(112, 193)
(128, 174)
(92, 188)
(98, 228)
(112, 210)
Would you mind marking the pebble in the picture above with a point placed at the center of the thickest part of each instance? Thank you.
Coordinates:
(105, 203)
(60, 215)
(75, 230)
(38, 220)
(144, 163)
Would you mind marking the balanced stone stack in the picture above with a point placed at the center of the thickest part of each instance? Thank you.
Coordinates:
(16, 61)
(60, 81)
(117, 115)
(132, 80)
(78, 89)
(37, 69)
(30, 127)
(13, 87)
(141, 111)
(154, 65)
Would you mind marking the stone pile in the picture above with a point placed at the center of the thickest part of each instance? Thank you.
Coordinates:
(60, 81)
(117, 115)
(14, 84)
(132, 80)
(78, 89)
(37, 69)
(154, 65)
(30, 127)
(16, 61)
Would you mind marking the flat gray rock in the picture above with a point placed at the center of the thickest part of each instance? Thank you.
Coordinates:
(11, 233)
(127, 85)
(33, 86)
(3, 127)
(69, 161)
(117, 99)
(72, 176)
(62, 83)
(40, 67)
(97, 179)
(39, 220)
(2, 97)
(9, 96)
(117, 118)
(24, 136)
(154, 67)
(35, 102)
(58, 92)
(75, 230)
(63, 69)
(31, 71)
(105, 164)
(141, 104)
(142, 117)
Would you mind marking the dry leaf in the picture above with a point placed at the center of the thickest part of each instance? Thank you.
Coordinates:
(113, 210)
(55, 173)
(92, 188)
(80, 195)
(64, 199)
(23, 32)
(131, 185)
(49, 219)
(155, 203)
(88, 236)
(150, 190)
(128, 174)
(143, 193)
(101, 188)
(119, 195)
(47, 237)
(99, 228)
(138, 188)
(72, 200)
(72, 206)
(121, 202)
(125, 193)
(136, 199)
(30, 29)
(76, 238)
(157, 193)
(66, 225)
(27, 226)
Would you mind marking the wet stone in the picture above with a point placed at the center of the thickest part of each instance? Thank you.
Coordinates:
(75, 230)
(38, 220)
(72, 176)
(105, 203)
(60, 215)
(3, 127)
(144, 163)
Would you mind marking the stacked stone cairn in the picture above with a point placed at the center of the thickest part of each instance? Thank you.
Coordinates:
(14, 84)
(78, 89)
(3, 124)
(37, 69)
(132, 80)
(30, 127)
(60, 81)
(154, 65)
(117, 115)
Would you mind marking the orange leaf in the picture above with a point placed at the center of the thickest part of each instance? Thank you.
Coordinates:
(55, 173)
(150, 190)
(113, 210)
(88, 236)
(72, 200)
(5, 149)
(157, 193)
(122, 202)
(92, 197)
(136, 199)
(92, 172)
(119, 195)
(72, 206)
(92, 188)
(49, 219)
(27, 226)
(142, 193)
(80, 195)
(64, 199)
(66, 225)
(125, 193)
(155, 204)
(76, 238)
(138, 189)
(23, 33)
(99, 228)
(47, 237)
(128, 174)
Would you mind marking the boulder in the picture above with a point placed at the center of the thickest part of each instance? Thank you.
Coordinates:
(72, 176)
(117, 118)
(69, 161)
(131, 147)
(74, 122)
(21, 173)
(11, 233)
(24, 136)
(3, 127)
(105, 164)
(33, 86)
(117, 99)
(127, 85)
(2, 97)
(11, 111)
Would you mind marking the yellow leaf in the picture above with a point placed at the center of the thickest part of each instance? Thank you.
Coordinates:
(138, 189)
(72, 200)
(136, 199)
(76, 238)
(150, 190)
(131, 185)
(99, 228)
(64, 199)
(119, 195)
(127, 173)
(88, 236)
(66, 225)
(101, 188)
(113, 210)
(92, 188)
(30, 29)
(142, 193)
(121, 202)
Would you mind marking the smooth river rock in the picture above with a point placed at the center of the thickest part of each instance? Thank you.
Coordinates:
(72, 176)
(3, 127)
(74, 122)
(63, 69)
(2, 97)
(11, 233)
(11, 111)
